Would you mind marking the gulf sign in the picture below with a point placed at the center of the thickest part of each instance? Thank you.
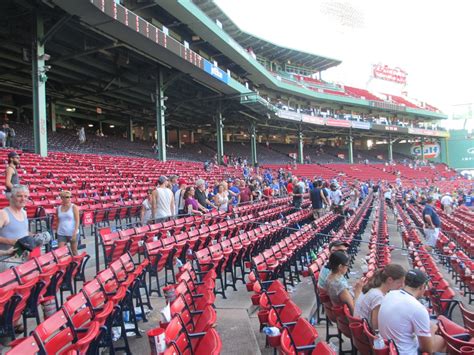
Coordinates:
(431, 150)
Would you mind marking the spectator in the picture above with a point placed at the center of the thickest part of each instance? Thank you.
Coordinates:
(406, 321)
(318, 199)
(179, 197)
(447, 203)
(13, 220)
(432, 224)
(235, 191)
(298, 191)
(82, 135)
(289, 187)
(11, 135)
(162, 200)
(336, 283)
(174, 183)
(221, 198)
(334, 246)
(201, 195)
(367, 306)
(3, 138)
(245, 193)
(146, 211)
(191, 205)
(335, 195)
(388, 196)
(68, 222)
(11, 173)
(354, 196)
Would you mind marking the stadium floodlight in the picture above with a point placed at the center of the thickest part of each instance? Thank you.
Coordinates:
(9, 112)
(344, 13)
(112, 126)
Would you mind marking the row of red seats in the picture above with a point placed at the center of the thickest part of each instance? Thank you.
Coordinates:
(276, 309)
(84, 322)
(25, 286)
(192, 327)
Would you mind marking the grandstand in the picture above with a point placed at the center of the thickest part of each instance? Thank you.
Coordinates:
(177, 89)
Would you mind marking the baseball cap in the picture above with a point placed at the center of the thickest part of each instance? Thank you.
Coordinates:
(415, 278)
(338, 243)
(162, 179)
(182, 182)
(13, 155)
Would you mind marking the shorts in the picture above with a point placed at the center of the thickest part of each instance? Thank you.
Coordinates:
(317, 212)
(431, 236)
(64, 238)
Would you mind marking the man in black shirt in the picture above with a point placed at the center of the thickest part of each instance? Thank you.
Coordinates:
(318, 197)
(201, 196)
(297, 194)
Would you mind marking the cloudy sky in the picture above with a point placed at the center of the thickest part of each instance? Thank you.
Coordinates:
(431, 40)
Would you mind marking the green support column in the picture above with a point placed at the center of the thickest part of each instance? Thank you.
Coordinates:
(300, 147)
(253, 143)
(446, 151)
(53, 116)
(39, 87)
(350, 153)
(423, 149)
(390, 149)
(160, 116)
(220, 137)
(130, 130)
(178, 137)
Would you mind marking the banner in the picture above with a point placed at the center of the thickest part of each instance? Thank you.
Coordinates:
(361, 125)
(431, 150)
(313, 119)
(388, 128)
(216, 72)
(384, 72)
(289, 115)
(338, 123)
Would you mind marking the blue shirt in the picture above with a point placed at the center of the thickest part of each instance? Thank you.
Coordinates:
(429, 211)
(468, 200)
(235, 190)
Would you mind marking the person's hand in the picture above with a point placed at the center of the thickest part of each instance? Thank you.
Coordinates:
(358, 286)
(10, 251)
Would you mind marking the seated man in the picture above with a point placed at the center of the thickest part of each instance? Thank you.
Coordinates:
(406, 321)
(13, 221)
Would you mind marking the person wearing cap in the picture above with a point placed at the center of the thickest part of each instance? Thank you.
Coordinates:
(11, 173)
(337, 245)
(432, 224)
(447, 203)
(67, 215)
(162, 201)
(174, 183)
(179, 197)
(234, 191)
(406, 321)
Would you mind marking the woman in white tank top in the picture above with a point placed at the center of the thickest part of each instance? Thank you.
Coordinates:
(222, 199)
(68, 222)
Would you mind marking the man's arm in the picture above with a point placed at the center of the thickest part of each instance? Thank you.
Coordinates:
(172, 205)
(154, 197)
(3, 221)
(425, 344)
(8, 178)
(428, 221)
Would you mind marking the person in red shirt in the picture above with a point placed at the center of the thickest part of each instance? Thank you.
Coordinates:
(289, 187)
(245, 193)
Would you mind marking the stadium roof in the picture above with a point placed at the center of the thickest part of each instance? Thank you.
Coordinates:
(263, 47)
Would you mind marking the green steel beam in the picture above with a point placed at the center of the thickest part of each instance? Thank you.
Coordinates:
(39, 87)
(160, 116)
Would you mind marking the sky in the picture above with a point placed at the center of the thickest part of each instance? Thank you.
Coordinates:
(431, 40)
